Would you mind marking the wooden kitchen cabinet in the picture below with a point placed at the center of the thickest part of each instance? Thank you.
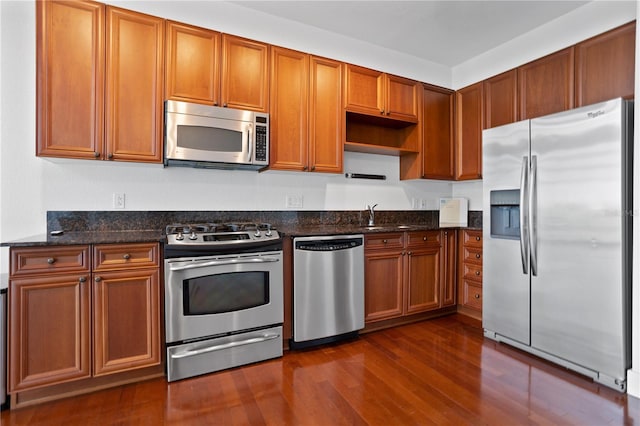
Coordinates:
(449, 268)
(501, 99)
(306, 112)
(605, 66)
(99, 82)
(76, 320)
(469, 119)
(379, 94)
(407, 273)
(470, 273)
(438, 148)
(207, 67)
(546, 85)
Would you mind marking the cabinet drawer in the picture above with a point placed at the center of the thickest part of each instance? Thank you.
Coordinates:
(40, 260)
(418, 238)
(472, 238)
(472, 255)
(117, 256)
(384, 241)
(472, 272)
(472, 295)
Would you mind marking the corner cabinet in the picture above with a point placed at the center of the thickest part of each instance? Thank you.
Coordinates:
(469, 119)
(470, 273)
(438, 149)
(72, 318)
(408, 273)
(99, 82)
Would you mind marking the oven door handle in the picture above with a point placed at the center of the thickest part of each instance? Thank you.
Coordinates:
(182, 267)
(223, 346)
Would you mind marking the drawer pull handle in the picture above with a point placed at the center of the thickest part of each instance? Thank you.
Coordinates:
(477, 255)
(82, 279)
(477, 296)
(477, 272)
(126, 256)
(51, 260)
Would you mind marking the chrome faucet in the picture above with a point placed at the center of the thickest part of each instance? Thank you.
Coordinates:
(371, 214)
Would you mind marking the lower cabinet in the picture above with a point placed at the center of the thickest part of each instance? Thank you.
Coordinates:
(470, 272)
(71, 318)
(408, 273)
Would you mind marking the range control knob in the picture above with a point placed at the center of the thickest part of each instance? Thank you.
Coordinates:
(180, 236)
(193, 236)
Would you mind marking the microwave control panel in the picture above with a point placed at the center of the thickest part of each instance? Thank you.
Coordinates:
(261, 143)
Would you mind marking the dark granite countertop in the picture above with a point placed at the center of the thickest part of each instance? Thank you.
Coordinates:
(92, 237)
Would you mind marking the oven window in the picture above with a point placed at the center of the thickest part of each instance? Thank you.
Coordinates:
(209, 138)
(219, 293)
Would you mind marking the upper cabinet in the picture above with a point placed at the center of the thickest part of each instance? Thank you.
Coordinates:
(605, 66)
(306, 112)
(207, 67)
(469, 132)
(99, 82)
(375, 93)
(546, 85)
(437, 132)
(501, 99)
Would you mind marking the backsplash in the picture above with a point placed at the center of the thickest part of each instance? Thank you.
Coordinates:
(96, 221)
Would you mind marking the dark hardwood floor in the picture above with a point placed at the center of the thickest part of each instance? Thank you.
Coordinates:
(435, 372)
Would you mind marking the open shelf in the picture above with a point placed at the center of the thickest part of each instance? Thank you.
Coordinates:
(377, 149)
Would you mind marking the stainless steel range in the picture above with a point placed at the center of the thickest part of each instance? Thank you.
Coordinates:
(223, 296)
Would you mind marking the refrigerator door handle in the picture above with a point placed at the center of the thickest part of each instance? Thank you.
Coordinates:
(533, 237)
(524, 221)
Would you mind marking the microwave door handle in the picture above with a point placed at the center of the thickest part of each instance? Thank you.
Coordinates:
(183, 267)
(249, 144)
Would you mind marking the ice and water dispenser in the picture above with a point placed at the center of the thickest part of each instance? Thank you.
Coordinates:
(505, 214)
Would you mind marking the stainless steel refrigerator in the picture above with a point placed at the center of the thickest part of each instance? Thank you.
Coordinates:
(557, 238)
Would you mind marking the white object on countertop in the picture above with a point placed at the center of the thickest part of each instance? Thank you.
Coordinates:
(453, 212)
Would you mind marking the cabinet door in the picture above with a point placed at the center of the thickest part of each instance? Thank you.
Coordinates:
(383, 285)
(437, 125)
(546, 85)
(469, 132)
(449, 252)
(70, 79)
(363, 90)
(245, 74)
(501, 99)
(605, 66)
(193, 64)
(423, 280)
(401, 98)
(134, 100)
(49, 330)
(326, 116)
(126, 320)
(289, 109)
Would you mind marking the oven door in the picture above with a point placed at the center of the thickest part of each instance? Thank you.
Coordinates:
(214, 295)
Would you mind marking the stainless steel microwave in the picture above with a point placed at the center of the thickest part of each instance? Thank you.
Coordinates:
(214, 137)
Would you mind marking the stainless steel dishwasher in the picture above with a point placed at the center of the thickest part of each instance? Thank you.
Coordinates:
(328, 289)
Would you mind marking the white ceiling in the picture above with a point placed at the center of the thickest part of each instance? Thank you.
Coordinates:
(446, 32)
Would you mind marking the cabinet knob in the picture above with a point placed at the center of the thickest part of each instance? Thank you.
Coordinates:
(224, 105)
(477, 255)
(82, 279)
(477, 272)
(424, 238)
(384, 241)
(51, 260)
(304, 168)
(126, 256)
(96, 154)
(98, 279)
(381, 112)
(477, 238)
(110, 155)
(215, 104)
(477, 296)
(313, 168)
(410, 253)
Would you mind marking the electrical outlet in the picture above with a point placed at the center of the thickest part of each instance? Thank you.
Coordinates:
(415, 203)
(423, 204)
(118, 200)
(294, 201)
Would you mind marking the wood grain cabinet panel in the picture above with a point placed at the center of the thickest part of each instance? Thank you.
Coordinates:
(605, 66)
(70, 79)
(126, 320)
(546, 85)
(449, 268)
(245, 74)
(438, 149)
(423, 279)
(501, 99)
(118, 256)
(306, 112)
(469, 119)
(470, 273)
(193, 64)
(38, 260)
(383, 285)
